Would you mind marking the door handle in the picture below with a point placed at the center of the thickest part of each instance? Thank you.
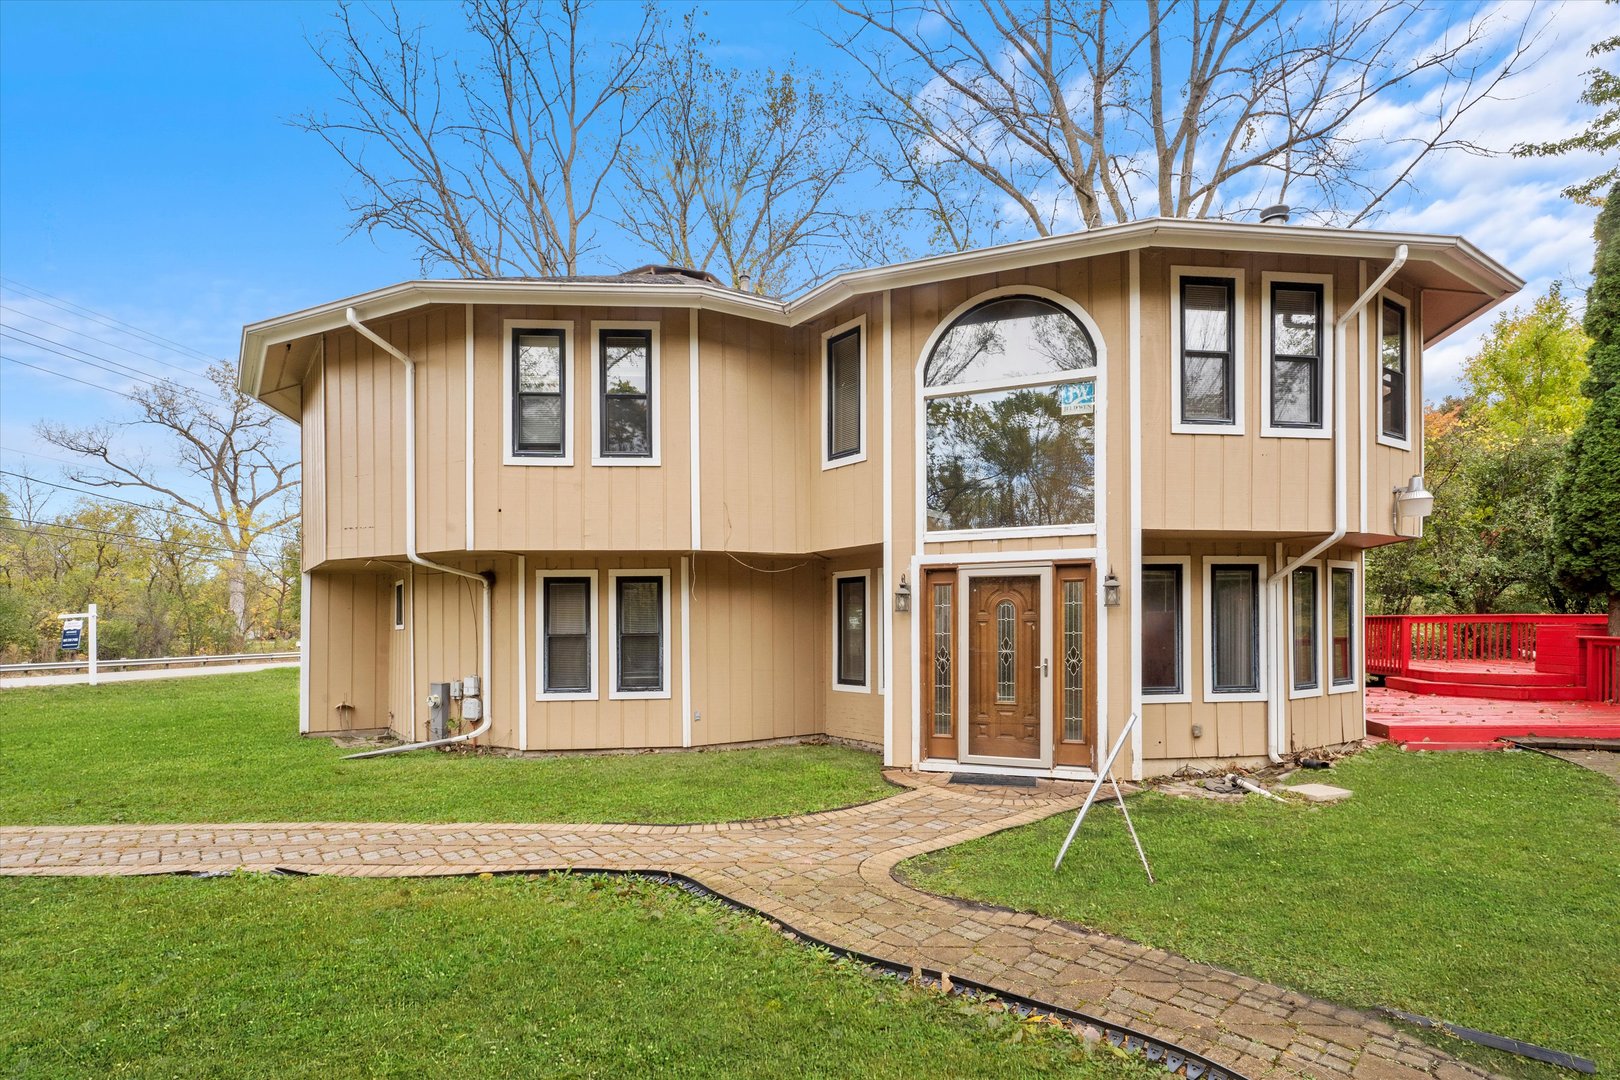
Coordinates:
(1045, 669)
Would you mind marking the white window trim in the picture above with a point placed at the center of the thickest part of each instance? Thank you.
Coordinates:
(614, 693)
(1357, 628)
(1264, 629)
(1096, 374)
(397, 598)
(656, 396)
(570, 372)
(857, 323)
(1413, 388)
(1239, 356)
(1322, 656)
(540, 693)
(1267, 430)
(1159, 697)
(866, 677)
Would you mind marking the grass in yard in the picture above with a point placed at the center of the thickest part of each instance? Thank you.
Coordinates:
(226, 748)
(550, 976)
(1483, 889)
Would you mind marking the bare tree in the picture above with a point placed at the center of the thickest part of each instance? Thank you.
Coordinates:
(227, 442)
(740, 169)
(498, 167)
(1071, 115)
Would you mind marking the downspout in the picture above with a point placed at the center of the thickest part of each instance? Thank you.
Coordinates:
(1278, 693)
(412, 554)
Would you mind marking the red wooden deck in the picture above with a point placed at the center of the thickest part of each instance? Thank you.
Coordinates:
(1431, 722)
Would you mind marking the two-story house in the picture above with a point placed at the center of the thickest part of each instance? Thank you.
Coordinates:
(975, 510)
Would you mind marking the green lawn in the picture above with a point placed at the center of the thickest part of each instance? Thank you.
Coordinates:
(1483, 889)
(324, 977)
(226, 748)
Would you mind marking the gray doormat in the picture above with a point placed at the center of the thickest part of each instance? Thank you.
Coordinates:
(989, 780)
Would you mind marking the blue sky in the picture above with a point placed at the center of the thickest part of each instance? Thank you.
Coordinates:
(147, 173)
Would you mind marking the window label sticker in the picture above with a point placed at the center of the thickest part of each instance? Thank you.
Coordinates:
(1077, 398)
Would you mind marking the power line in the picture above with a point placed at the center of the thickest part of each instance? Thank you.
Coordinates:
(123, 370)
(98, 531)
(90, 493)
(60, 375)
(36, 453)
(122, 348)
(106, 320)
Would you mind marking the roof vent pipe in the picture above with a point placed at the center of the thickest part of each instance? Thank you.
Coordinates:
(1275, 215)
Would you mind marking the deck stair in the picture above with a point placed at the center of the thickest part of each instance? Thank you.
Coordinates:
(1501, 680)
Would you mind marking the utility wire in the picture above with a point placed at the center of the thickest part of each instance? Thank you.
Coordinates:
(104, 319)
(157, 541)
(98, 361)
(93, 494)
(31, 317)
(69, 378)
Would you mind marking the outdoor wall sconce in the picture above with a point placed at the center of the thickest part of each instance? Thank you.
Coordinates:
(1111, 590)
(902, 596)
(1413, 500)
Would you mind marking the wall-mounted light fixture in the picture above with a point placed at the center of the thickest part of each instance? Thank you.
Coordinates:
(1111, 590)
(902, 596)
(1414, 501)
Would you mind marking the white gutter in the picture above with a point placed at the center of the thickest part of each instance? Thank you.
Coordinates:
(1277, 694)
(414, 557)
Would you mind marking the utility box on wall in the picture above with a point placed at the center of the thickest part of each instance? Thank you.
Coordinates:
(438, 710)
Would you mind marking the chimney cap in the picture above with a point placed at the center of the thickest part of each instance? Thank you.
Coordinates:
(1275, 215)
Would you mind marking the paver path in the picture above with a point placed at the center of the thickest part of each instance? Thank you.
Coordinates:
(828, 875)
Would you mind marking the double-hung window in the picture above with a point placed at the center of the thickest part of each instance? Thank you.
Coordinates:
(1164, 663)
(1392, 363)
(1305, 647)
(625, 395)
(640, 634)
(567, 649)
(1342, 627)
(539, 393)
(1233, 662)
(1295, 375)
(850, 663)
(1208, 363)
(843, 389)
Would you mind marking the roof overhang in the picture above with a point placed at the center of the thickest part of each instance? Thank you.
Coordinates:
(1463, 280)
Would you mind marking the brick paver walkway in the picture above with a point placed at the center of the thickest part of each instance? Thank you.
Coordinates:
(829, 875)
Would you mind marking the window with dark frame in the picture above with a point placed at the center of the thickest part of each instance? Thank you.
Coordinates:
(399, 605)
(626, 384)
(1207, 336)
(1392, 362)
(1234, 617)
(640, 625)
(1296, 356)
(844, 395)
(851, 616)
(566, 626)
(1162, 661)
(1342, 629)
(539, 382)
(1303, 621)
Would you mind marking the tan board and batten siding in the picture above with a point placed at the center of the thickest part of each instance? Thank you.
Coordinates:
(774, 524)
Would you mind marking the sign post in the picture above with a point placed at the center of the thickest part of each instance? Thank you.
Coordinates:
(73, 627)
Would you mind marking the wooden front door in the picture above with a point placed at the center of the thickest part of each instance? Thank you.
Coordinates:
(1004, 667)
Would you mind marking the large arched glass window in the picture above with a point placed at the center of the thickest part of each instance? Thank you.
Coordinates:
(1009, 394)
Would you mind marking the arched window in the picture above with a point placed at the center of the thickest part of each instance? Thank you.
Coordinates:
(1009, 393)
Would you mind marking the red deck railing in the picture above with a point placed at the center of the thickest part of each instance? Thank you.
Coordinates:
(1566, 643)
(1600, 667)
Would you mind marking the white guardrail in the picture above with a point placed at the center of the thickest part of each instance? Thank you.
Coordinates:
(154, 661)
